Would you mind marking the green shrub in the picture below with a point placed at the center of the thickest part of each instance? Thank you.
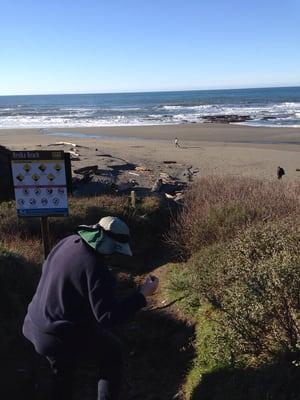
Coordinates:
(254, 281)
(212, 354)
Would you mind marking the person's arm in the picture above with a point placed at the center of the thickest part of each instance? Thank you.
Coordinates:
(109, 311)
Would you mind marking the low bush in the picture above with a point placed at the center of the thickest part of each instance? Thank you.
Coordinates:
(254, 281)
(215, 208)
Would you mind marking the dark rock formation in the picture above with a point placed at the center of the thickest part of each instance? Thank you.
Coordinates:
(226, 119)
(267, 118)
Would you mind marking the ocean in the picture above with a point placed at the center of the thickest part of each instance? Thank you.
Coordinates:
(274, 107)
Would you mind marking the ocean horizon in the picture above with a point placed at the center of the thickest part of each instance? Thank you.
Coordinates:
(266, 107)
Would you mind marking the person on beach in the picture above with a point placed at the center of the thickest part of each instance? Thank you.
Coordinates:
(280, 172)
(176, 142)
(70, 317)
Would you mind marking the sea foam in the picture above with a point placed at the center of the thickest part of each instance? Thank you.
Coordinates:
(261, 107)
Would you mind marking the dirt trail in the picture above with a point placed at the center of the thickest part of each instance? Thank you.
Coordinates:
(159, 350)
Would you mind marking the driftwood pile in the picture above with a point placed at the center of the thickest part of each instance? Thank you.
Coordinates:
(117, 175)
(93, 179)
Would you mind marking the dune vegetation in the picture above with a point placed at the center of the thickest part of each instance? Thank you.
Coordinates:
(240, 282)
(229, 260)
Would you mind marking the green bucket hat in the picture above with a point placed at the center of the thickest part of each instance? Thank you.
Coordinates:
(110, 235)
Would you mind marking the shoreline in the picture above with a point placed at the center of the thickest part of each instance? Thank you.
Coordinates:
(157, 125)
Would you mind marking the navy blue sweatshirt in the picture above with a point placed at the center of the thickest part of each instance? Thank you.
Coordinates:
(77, 289)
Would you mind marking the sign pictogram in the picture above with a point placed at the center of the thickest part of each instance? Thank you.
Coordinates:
(20, 177)
(57, 167)
(35, 177)
(27, 167)
(42, 167)
(51, 177)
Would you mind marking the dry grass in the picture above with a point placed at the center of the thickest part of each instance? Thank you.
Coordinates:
(30, 249)
(22, 236)
(216, 207)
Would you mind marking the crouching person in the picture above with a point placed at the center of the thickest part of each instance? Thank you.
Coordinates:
(74, 307)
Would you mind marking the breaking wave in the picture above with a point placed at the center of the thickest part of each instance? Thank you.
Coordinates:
(281, 108)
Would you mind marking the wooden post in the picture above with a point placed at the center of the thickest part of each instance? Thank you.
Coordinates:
(45, 236)
(133, 199)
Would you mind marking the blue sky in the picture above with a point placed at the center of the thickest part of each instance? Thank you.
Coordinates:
(134, 45)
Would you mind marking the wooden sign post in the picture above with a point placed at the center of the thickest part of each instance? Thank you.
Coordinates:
(133, 199)
(45, 236)
(40, 186)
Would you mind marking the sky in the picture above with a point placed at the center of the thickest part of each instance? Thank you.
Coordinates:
(96, 46)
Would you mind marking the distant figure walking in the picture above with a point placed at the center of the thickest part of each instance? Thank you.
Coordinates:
(280, 172)
(176, 143)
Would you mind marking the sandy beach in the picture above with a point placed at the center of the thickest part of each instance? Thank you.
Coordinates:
(212, 148)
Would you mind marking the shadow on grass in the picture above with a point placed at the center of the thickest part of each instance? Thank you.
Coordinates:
(157, 355)
(18, 279)
(280, 381)
(159, 351)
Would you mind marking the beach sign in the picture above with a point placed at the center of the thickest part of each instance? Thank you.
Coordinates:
(40, 183)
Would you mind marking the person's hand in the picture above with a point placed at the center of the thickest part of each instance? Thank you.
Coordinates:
(149, 286)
